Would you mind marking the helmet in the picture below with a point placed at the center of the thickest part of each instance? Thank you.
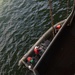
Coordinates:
(36, 47)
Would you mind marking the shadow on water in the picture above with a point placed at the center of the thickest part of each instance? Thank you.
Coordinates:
(22, 22)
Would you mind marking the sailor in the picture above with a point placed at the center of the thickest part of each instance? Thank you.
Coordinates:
(37, 51)
(32, 60)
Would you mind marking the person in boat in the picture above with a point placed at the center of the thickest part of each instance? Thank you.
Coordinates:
(31, 60)
(57, 28)
(37, 52)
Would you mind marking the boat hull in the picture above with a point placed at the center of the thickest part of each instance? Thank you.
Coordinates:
(59, 58)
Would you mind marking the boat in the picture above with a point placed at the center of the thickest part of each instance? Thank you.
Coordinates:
(57, 55)
(43, 42)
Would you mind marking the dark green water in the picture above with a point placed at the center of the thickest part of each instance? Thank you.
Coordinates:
(22, 22)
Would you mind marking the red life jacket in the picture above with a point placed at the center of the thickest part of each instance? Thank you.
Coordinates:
(36, 50)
